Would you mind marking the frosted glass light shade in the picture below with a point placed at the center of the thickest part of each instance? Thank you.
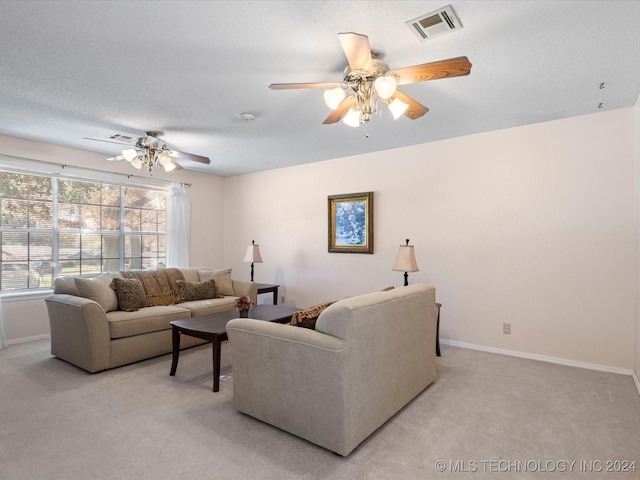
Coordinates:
(385, 86)
(137, 163)
(333, 97)
(352, 118)
(398, 107)
(129, 154)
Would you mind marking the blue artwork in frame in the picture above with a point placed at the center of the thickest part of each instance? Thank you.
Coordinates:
(351, 223)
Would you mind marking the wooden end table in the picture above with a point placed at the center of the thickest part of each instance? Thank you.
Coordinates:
(439, 305)
(213, 329)
(266, 288)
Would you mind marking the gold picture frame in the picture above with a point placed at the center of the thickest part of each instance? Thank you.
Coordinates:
(351, 223)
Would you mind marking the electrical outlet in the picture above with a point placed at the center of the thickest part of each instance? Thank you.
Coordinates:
(506, 328)
(282, 299)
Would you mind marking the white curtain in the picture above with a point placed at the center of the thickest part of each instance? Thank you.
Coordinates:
(3, 340)
(178, 227)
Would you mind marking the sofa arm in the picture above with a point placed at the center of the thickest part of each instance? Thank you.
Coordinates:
(250, 289)
(79, 331)
(293, 378)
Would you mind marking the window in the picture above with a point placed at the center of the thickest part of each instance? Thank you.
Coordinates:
(53, 226)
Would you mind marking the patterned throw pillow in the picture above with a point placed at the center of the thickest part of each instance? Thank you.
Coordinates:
(159, 285)
(307, 318)
(130, 294)
(191, 291)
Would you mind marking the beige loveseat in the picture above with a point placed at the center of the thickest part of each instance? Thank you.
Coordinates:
(367, 357)
(89, 330)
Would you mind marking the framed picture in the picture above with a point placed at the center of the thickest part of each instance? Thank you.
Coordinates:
(351, 223)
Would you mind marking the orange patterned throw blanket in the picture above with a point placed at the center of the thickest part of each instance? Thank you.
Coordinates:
(160, 286)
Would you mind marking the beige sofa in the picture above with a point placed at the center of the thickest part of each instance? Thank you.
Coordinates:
(368, 357)
(90, 331)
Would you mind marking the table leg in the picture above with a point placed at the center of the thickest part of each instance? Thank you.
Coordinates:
(216, 345)
(175, 340)
(275, 296)
(438, 331)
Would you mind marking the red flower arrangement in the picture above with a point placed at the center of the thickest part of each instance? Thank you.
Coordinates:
(244, 303)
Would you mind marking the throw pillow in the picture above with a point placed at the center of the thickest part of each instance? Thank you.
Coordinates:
(66, 285)
(130, 294)
(191, 291)
(224, 284)
(307, 318)
(99, 290)
(160, 287)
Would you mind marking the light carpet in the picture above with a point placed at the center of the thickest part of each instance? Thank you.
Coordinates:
(486, 416)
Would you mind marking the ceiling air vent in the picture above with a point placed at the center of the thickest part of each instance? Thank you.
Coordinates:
(435, 23)
(120, 137)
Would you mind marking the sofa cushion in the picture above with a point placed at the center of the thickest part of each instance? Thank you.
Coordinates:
(99, 290)
(222, 277)
(130, 294)
(198, 308)
(160, 287)
(190, 291)
(307, 318)
(146, 320)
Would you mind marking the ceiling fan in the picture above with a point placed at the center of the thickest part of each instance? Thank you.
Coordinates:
(367, 80)
(151, 152)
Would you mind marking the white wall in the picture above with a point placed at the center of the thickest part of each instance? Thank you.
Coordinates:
(25, 319)
(532, 226)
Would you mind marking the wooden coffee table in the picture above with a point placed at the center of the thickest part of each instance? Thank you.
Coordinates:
(213, 329)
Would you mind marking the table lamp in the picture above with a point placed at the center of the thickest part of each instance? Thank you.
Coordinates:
(406, 261)
(253, 255)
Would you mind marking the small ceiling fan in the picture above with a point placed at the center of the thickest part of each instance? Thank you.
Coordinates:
(367, 80)
(151, 152)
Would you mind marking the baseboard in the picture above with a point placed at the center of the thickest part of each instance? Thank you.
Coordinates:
(636, 381)
(542, 358)
(28, 339)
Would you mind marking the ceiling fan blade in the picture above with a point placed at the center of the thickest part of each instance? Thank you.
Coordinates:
(110, 141)
(188, 156)
(357, 49)
(286, 86)
(452, 67)
(341, 110)
(415, 110)
(116, 159)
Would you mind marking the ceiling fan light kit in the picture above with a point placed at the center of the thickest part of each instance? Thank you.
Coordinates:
(368, 80)
(150, 152)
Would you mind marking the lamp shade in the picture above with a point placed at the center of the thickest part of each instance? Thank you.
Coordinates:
(406, 260)
(253, 254)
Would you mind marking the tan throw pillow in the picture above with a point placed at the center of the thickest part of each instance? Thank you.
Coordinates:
(224, 284)
(191, 291)
(99, 290)
(307, 318)
(130, 294)
(66, 285)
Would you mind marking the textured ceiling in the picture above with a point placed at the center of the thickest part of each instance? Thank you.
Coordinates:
(71, 69)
